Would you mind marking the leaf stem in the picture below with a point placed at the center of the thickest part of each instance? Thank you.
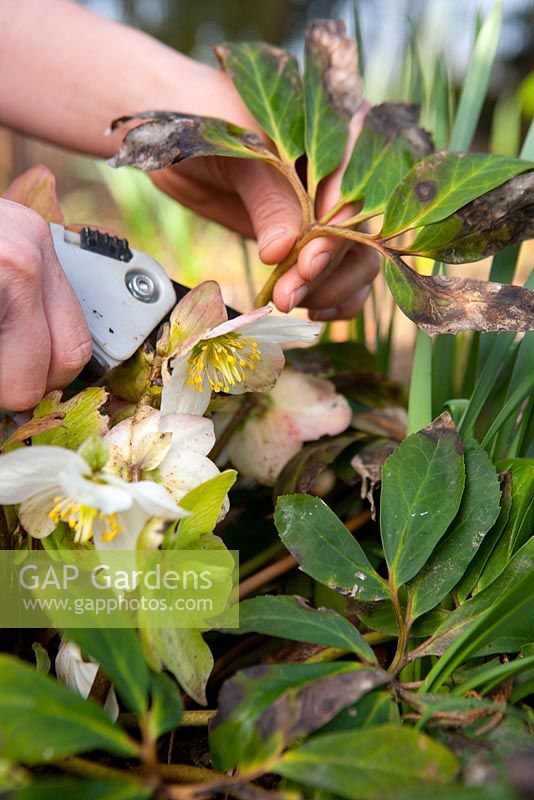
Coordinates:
(198, 718)
(306, 202)
(245, 407)
(89, 769)
(403, 628)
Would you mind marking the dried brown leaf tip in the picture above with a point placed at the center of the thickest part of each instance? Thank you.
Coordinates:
(393, 120)
(336, 55)
(443, 426)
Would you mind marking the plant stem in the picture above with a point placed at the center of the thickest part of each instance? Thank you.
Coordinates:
(403, 628)
(89, 769)
(267, 574)
(306, 202)
(242, 412)
(198, 718)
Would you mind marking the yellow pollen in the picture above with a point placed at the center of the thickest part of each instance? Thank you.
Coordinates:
(81, 519)
(224, 361)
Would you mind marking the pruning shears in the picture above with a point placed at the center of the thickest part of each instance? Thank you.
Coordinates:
(125, 294)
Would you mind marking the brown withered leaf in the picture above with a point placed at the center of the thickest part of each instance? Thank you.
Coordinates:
(33, 427)
(502, 217)
(337, 56)
(36, 189)
(368, 465)
(390, 421)
(440, 305)
(166, 137)
(393, 120)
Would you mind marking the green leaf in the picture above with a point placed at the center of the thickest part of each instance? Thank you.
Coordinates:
(83, 789)
(263, 708)
(375, 708)
(167, 707)
(268, 80)
(82, 417)
(204, 502)
(119, 652)
(497, 219)
(368, 763)
(449, 305)
(513, 607)
(520, 522)
(479, 509)
(167, 138)
(332, 93)
(293, 618)
(516, 631)
(185, 653)
(487, 679)
(325, 549)
(489, 791)
(388, 146)
(442, 183)
(42, 720)
(422, 485)
(469, 583)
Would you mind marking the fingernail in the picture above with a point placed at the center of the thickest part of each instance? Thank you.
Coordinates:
(318, 263)
(271, 235)
(326, 314)
(297, 297)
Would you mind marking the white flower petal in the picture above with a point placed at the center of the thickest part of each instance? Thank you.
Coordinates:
(155, 500)
(266, 371)
(184, 472)
(242, 321)
(177, 397)
(189, 433)
(313, 404)
(201, 310)
(284, 330)
(264, 446)
(102, 496)
(131, 523)
(34, 513)
(29, 470)
(79, 675)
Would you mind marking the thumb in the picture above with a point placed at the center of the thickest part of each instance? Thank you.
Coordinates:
(272, 207)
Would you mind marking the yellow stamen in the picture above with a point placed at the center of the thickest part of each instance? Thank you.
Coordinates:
(81, 519)
(223, 361)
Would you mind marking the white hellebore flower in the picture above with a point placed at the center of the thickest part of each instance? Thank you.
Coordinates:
(300, 408)
(53, 484)
(213, 353)
(171, 450)
(79, 675)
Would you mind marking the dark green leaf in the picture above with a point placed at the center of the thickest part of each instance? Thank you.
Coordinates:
(370, 762)
(386, 149)
(518, 631)
(41, 720)
(332, 93)
(325, 549)
(444, 182)
(168, 138)
(262, 709)
(469, 583)
(268, 80)
(484, 226)
(479, 509)
(54, 788)
(450, 305)
(300, 472)
(520, 523)
(375, 708)
(459, 792)
(167, 707)
(119, 652)
(422, 485)
(293, 618)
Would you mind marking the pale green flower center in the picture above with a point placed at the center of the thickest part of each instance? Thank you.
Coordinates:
(224, 361)
(81, 519)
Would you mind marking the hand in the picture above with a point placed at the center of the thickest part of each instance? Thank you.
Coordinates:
(331, 278)
(44, 339)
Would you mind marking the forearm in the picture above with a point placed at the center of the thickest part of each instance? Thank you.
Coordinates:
(65, 73)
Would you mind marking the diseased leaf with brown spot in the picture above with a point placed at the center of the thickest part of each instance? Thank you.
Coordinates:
(388, 146)
(481, 228)
(332, 94)
(300, 473)
(268, 80)
(36, 188)
(264, 708)
(166, 137)
(82, 417)
(368, 465)
(449, 305)
(33, 427)
(444, 182)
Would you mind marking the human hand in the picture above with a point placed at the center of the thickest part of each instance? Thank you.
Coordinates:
(331, 278)
(44, 339)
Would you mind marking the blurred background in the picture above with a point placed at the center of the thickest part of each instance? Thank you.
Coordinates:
(403, 45)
